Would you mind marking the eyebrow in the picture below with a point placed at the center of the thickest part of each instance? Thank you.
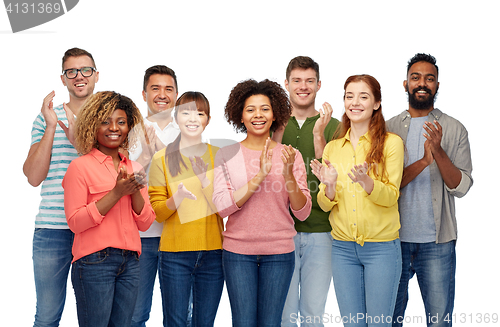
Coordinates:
(422, 74)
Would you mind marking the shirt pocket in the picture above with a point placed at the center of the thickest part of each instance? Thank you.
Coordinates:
(97, 191)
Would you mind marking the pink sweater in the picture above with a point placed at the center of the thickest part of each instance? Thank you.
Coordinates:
(263, 225)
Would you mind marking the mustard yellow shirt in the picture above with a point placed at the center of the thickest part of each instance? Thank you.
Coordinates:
(195, 225)
(356, 215)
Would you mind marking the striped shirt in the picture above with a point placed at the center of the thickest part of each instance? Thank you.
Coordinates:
(51, 210)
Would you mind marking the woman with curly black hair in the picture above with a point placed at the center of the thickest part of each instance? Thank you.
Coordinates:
(106, 205)
(257, 182)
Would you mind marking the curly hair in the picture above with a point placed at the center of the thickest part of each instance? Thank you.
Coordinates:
(377, 129)
(280, 104)
(99, 107)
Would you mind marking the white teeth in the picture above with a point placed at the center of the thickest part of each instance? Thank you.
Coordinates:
(258, 123)
(161, 103)
(78, 85)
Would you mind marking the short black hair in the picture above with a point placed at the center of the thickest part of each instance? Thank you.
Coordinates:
(161, 70)
(422, 57)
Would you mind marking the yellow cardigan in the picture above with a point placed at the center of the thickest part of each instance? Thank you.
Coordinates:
(195, 225)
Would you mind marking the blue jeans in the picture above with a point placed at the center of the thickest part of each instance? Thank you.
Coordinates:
(191, 272)
(106, 284)
(148, 262)
(435, 266)
(311, 280)
(51, 262)
(257, 286)
(366, 280)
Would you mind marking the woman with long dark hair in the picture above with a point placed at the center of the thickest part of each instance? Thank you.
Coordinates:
(181, 188)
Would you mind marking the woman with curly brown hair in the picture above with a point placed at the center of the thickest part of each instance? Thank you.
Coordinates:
(105, 207)
(360, 178)
(257, 182)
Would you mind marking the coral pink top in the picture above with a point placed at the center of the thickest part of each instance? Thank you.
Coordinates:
(87, 180)
(263, 225)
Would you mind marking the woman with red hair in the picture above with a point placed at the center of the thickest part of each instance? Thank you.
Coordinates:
(360, 178)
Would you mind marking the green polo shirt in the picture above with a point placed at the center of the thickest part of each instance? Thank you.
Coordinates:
(303, 140)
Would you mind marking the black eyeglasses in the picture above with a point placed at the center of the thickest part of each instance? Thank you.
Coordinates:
(73, 72)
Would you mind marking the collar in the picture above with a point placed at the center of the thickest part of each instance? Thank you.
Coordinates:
(101, 157)
(436, 113)
(347, 138)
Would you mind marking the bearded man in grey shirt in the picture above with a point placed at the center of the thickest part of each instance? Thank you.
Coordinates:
(437, 169)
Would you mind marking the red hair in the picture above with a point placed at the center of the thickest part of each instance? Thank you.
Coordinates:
(377, 130)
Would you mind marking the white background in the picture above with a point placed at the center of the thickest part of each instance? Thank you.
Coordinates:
(212, 45)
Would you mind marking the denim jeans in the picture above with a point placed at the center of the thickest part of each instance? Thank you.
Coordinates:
(435, 266)
(191, 272)
(51, 262)
(148, 262)
(106, 284)
(366, 280)
(311, 280)
(257, 286)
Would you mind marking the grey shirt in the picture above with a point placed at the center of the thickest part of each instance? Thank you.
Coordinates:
(455, 142)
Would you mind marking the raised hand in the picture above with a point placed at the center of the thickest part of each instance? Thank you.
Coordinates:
(325, 115)
(359, 174)
(326, 174)
(126, 184)
(434, 135)
(266, 162)
(200, 169)
(70, 130)
(288, 158)
(48, 110)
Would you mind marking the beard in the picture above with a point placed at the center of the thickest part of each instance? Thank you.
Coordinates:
(421, 104)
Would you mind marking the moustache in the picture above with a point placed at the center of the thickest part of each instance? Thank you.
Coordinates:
(422, 88)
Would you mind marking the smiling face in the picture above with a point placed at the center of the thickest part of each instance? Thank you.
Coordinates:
(191, 121)
(302, 85)
(257, 115)
(112, 132)
(79, 87)
(160, 93)
(421, 86)
(359, 103)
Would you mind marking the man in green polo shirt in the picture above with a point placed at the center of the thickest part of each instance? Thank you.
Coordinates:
(308, 130)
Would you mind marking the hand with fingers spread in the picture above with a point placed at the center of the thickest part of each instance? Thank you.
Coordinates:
(327, 174)
(200, 169)
(359, 174)
(288, 158)
(70, 130)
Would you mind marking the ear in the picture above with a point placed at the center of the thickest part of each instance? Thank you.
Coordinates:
(144, 95)
(319, 85)
(208, 119)
(286, 85)
(377, 106)
(63, 80)
(97, 76)
(405, 85)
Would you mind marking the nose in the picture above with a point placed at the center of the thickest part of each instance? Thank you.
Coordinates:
(113, 126)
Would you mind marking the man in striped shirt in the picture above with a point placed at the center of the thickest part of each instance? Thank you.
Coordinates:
(50, 154)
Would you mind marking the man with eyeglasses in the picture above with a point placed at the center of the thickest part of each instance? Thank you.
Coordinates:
(50, 154)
